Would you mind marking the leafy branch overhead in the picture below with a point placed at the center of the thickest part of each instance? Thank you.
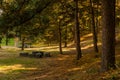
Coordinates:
(17, 12)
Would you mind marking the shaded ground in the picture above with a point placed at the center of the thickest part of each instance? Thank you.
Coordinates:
(57, 67)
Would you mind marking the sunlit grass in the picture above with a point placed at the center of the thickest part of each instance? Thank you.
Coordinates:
(11, 68)
(10, 42)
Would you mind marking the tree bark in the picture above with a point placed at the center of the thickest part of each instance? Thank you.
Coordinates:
(0, 42)
(108, 35)
(77, 32)
(23, 42)
(65, 42)
(60, 38)
(97, 20)
(7, 39)
(93, 27)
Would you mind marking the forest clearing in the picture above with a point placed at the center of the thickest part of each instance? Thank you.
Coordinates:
(56, 67)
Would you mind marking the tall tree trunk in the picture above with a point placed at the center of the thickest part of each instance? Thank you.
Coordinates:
(16, 41)
(7, 39)
(23, 42)
(60, 38)
(77, 32)
(65, 45)
(0, 41)
(97, 21)
(73, 34)
(49, 41)
(108, 35)
(93, 28)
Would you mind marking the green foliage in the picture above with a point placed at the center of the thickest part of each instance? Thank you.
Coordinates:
(10, 42)
(23, 16)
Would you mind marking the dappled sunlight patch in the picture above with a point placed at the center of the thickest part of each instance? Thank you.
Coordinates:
(43, 76)
(68, 49)
(48, 49)
(86, 42)
(89, 46)
(45, 47)
(86, 36)
(7, 69)
(75, 69)
(62, 58)
(31, 49)
(51, 48)
(10, 48)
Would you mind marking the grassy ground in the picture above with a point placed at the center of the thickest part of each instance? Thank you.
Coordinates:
(57, 67)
